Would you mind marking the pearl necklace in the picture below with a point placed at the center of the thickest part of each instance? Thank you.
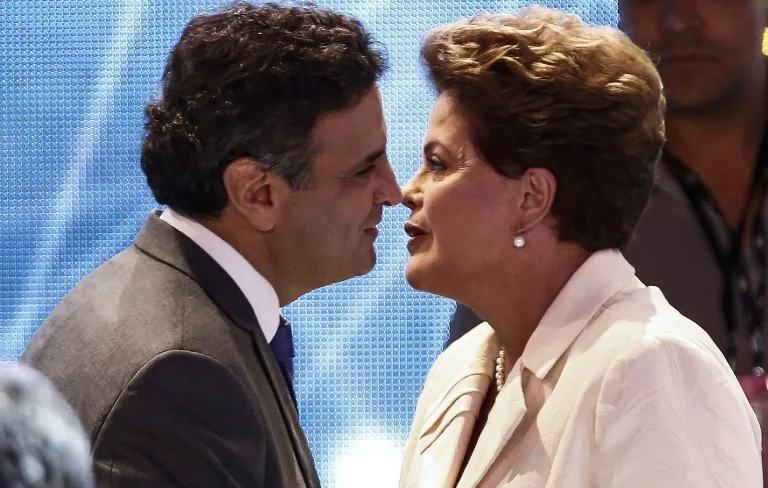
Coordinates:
(500, 370)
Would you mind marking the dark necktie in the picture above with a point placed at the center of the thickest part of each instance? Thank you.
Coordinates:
(282, 347)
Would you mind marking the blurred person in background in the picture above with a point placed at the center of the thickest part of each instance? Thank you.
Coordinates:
(703, 238)
(268, 146)
(539, 160)
(42, 444)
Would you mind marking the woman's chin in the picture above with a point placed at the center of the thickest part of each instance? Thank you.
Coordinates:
(416, 275)
(421, 276)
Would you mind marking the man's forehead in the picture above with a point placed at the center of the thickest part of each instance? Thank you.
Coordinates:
(359, 129)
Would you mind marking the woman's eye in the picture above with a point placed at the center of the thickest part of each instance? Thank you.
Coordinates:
(435, 164)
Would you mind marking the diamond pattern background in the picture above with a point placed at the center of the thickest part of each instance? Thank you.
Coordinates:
(74, 77)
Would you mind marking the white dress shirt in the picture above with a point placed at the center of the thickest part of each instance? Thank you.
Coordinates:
(257, 290)
(614, 389)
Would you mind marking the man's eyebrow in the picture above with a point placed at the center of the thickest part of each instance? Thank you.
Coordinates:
(370, 158)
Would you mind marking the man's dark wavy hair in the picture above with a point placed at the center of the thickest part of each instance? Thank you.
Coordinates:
(250, 80)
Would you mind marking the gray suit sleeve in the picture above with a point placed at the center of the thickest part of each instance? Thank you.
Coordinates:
(463, 321)
(185, 421)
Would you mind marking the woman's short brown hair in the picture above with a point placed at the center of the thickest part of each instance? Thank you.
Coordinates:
(543, 89)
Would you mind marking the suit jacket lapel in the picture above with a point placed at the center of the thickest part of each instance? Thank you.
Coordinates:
(288, 410)
(165, 243)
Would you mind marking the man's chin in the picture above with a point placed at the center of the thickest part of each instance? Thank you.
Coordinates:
(698, 99)
(367, 263)
(353, 270)
(368, 267)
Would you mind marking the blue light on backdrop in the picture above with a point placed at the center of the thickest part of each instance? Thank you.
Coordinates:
(74, 77)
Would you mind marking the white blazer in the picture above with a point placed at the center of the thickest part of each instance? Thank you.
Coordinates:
(614, 389)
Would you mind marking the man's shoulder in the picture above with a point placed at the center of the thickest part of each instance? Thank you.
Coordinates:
(129, 288)
(129, 310)
(131, 265)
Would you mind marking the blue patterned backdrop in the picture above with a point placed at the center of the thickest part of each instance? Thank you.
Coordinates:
(74, 77)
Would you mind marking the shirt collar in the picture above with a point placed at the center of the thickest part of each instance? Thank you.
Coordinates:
(257, 290)
(601, 276)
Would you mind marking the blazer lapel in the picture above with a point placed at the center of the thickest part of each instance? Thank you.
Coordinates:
(504, 419)
(450, 419)
(165, 243)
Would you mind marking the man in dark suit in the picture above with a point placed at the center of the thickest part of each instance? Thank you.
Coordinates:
(268, 147)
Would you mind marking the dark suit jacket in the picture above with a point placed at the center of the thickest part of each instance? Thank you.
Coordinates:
(162, 356)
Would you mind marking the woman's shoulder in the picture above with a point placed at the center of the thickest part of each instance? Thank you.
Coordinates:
(642, 326)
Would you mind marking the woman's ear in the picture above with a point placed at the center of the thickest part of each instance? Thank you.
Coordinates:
(538, 189)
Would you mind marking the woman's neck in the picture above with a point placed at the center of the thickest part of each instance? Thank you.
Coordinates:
(517, 297)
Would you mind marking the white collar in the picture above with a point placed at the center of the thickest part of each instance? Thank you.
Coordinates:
(601, 276)
(257, 290)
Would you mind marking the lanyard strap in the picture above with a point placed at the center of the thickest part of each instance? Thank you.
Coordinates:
(729, 256)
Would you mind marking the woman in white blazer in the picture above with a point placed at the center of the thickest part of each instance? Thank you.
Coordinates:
(537, 164)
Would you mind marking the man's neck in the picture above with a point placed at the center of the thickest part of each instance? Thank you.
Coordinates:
(257, 252)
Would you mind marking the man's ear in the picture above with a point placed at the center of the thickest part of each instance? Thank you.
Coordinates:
(251, 193)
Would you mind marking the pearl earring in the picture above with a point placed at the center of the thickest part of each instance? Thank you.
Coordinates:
(519, 241)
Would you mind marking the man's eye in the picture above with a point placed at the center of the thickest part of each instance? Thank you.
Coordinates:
(365, 171)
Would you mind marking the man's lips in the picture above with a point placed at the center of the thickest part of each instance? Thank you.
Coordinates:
(685, 57)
